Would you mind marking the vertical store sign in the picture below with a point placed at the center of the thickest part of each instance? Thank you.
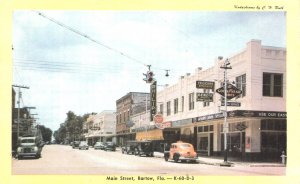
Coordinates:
(152, 100)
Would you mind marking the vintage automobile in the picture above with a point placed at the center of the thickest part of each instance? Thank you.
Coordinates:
(181, 151)
(99, 145)
(83, 145)
(75, 144)
(29, 147)
(144, 148)
(109, 146)
(129, 147)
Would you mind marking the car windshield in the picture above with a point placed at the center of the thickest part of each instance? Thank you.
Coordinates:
(27, 141)
(185, 145)
(82, 143)
(110, 143)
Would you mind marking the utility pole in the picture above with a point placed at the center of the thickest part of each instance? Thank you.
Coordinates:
(19, 97)
(226, 66)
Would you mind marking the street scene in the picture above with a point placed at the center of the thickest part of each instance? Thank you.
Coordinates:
(149, 92)
(100, 162)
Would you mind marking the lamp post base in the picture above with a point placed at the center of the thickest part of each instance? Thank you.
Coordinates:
(226, 164)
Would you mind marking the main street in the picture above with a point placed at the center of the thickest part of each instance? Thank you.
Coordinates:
(62, 159)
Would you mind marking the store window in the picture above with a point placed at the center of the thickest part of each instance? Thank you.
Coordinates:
(273, 124)
(203, 143)
(241, 84)
(272, 84)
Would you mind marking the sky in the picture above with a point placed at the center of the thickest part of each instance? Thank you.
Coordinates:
(83, 61)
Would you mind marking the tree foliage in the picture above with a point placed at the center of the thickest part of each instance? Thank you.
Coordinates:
(71, 129)
(46, 133)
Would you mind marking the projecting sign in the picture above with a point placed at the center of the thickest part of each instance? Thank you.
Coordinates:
(236, 104)
(152, 100)
(232, 91)
(205, 97)
(205, 85)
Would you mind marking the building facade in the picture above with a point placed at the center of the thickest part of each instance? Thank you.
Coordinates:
(100, 127)
(257, 117)
(127, 106)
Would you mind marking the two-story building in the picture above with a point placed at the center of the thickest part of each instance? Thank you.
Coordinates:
(127, 106)
(100, 127)
(256, 118)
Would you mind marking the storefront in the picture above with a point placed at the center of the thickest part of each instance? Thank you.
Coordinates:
(252, 135)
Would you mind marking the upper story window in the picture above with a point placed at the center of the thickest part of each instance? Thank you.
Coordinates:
(272, 84)
(205, 104)
(161, 108)
(168, 108)
(182, 103)
(241, 84)
(191, 101)
(176, 106)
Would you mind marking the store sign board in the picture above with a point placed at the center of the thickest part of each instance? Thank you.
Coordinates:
(182, 122)
(205, 97)
(242, 113)
(236, 104)
(232, 91)
(205, 85)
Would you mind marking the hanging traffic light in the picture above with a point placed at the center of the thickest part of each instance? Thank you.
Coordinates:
(150, 78)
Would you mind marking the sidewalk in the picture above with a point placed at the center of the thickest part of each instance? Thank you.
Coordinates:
(217, 161)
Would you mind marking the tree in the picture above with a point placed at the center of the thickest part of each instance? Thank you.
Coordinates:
(46, 133)
(71, 129)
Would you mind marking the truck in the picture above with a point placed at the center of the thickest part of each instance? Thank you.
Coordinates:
(29, 146)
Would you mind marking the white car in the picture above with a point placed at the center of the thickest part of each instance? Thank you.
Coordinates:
(83, 145)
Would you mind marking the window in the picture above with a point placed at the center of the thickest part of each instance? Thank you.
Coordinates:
(191, 101)
(182, 103)
(205, 104)
(161, 108)
(168, 108)
(241, 84)
(272, 84)
(176, 106)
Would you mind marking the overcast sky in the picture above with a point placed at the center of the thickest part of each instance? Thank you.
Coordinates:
(67, 71)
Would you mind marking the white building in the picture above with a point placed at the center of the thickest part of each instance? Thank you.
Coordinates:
(256, 128)
(101, 127)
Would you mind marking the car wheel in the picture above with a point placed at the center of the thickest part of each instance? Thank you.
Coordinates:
(176, 158)
(166, 158)
(19, 157)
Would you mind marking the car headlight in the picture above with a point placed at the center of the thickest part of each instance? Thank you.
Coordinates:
(19, 150)
(35, 148)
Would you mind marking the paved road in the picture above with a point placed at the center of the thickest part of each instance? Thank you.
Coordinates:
(61, 159)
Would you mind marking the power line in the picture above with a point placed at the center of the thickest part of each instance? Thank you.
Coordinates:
(89, 38)
(94, 40)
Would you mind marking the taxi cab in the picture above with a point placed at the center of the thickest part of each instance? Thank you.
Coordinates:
(181, 151)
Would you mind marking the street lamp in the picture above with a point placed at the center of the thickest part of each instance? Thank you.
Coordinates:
(225, 66)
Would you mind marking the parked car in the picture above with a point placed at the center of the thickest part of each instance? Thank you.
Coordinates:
(83, 145)
(99, 145)
(29, 147)
(181, 151)
(129, 147)
(110, 146)
(144, 148)
(75, 144)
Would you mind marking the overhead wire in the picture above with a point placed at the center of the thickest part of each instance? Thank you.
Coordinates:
(90, 38)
